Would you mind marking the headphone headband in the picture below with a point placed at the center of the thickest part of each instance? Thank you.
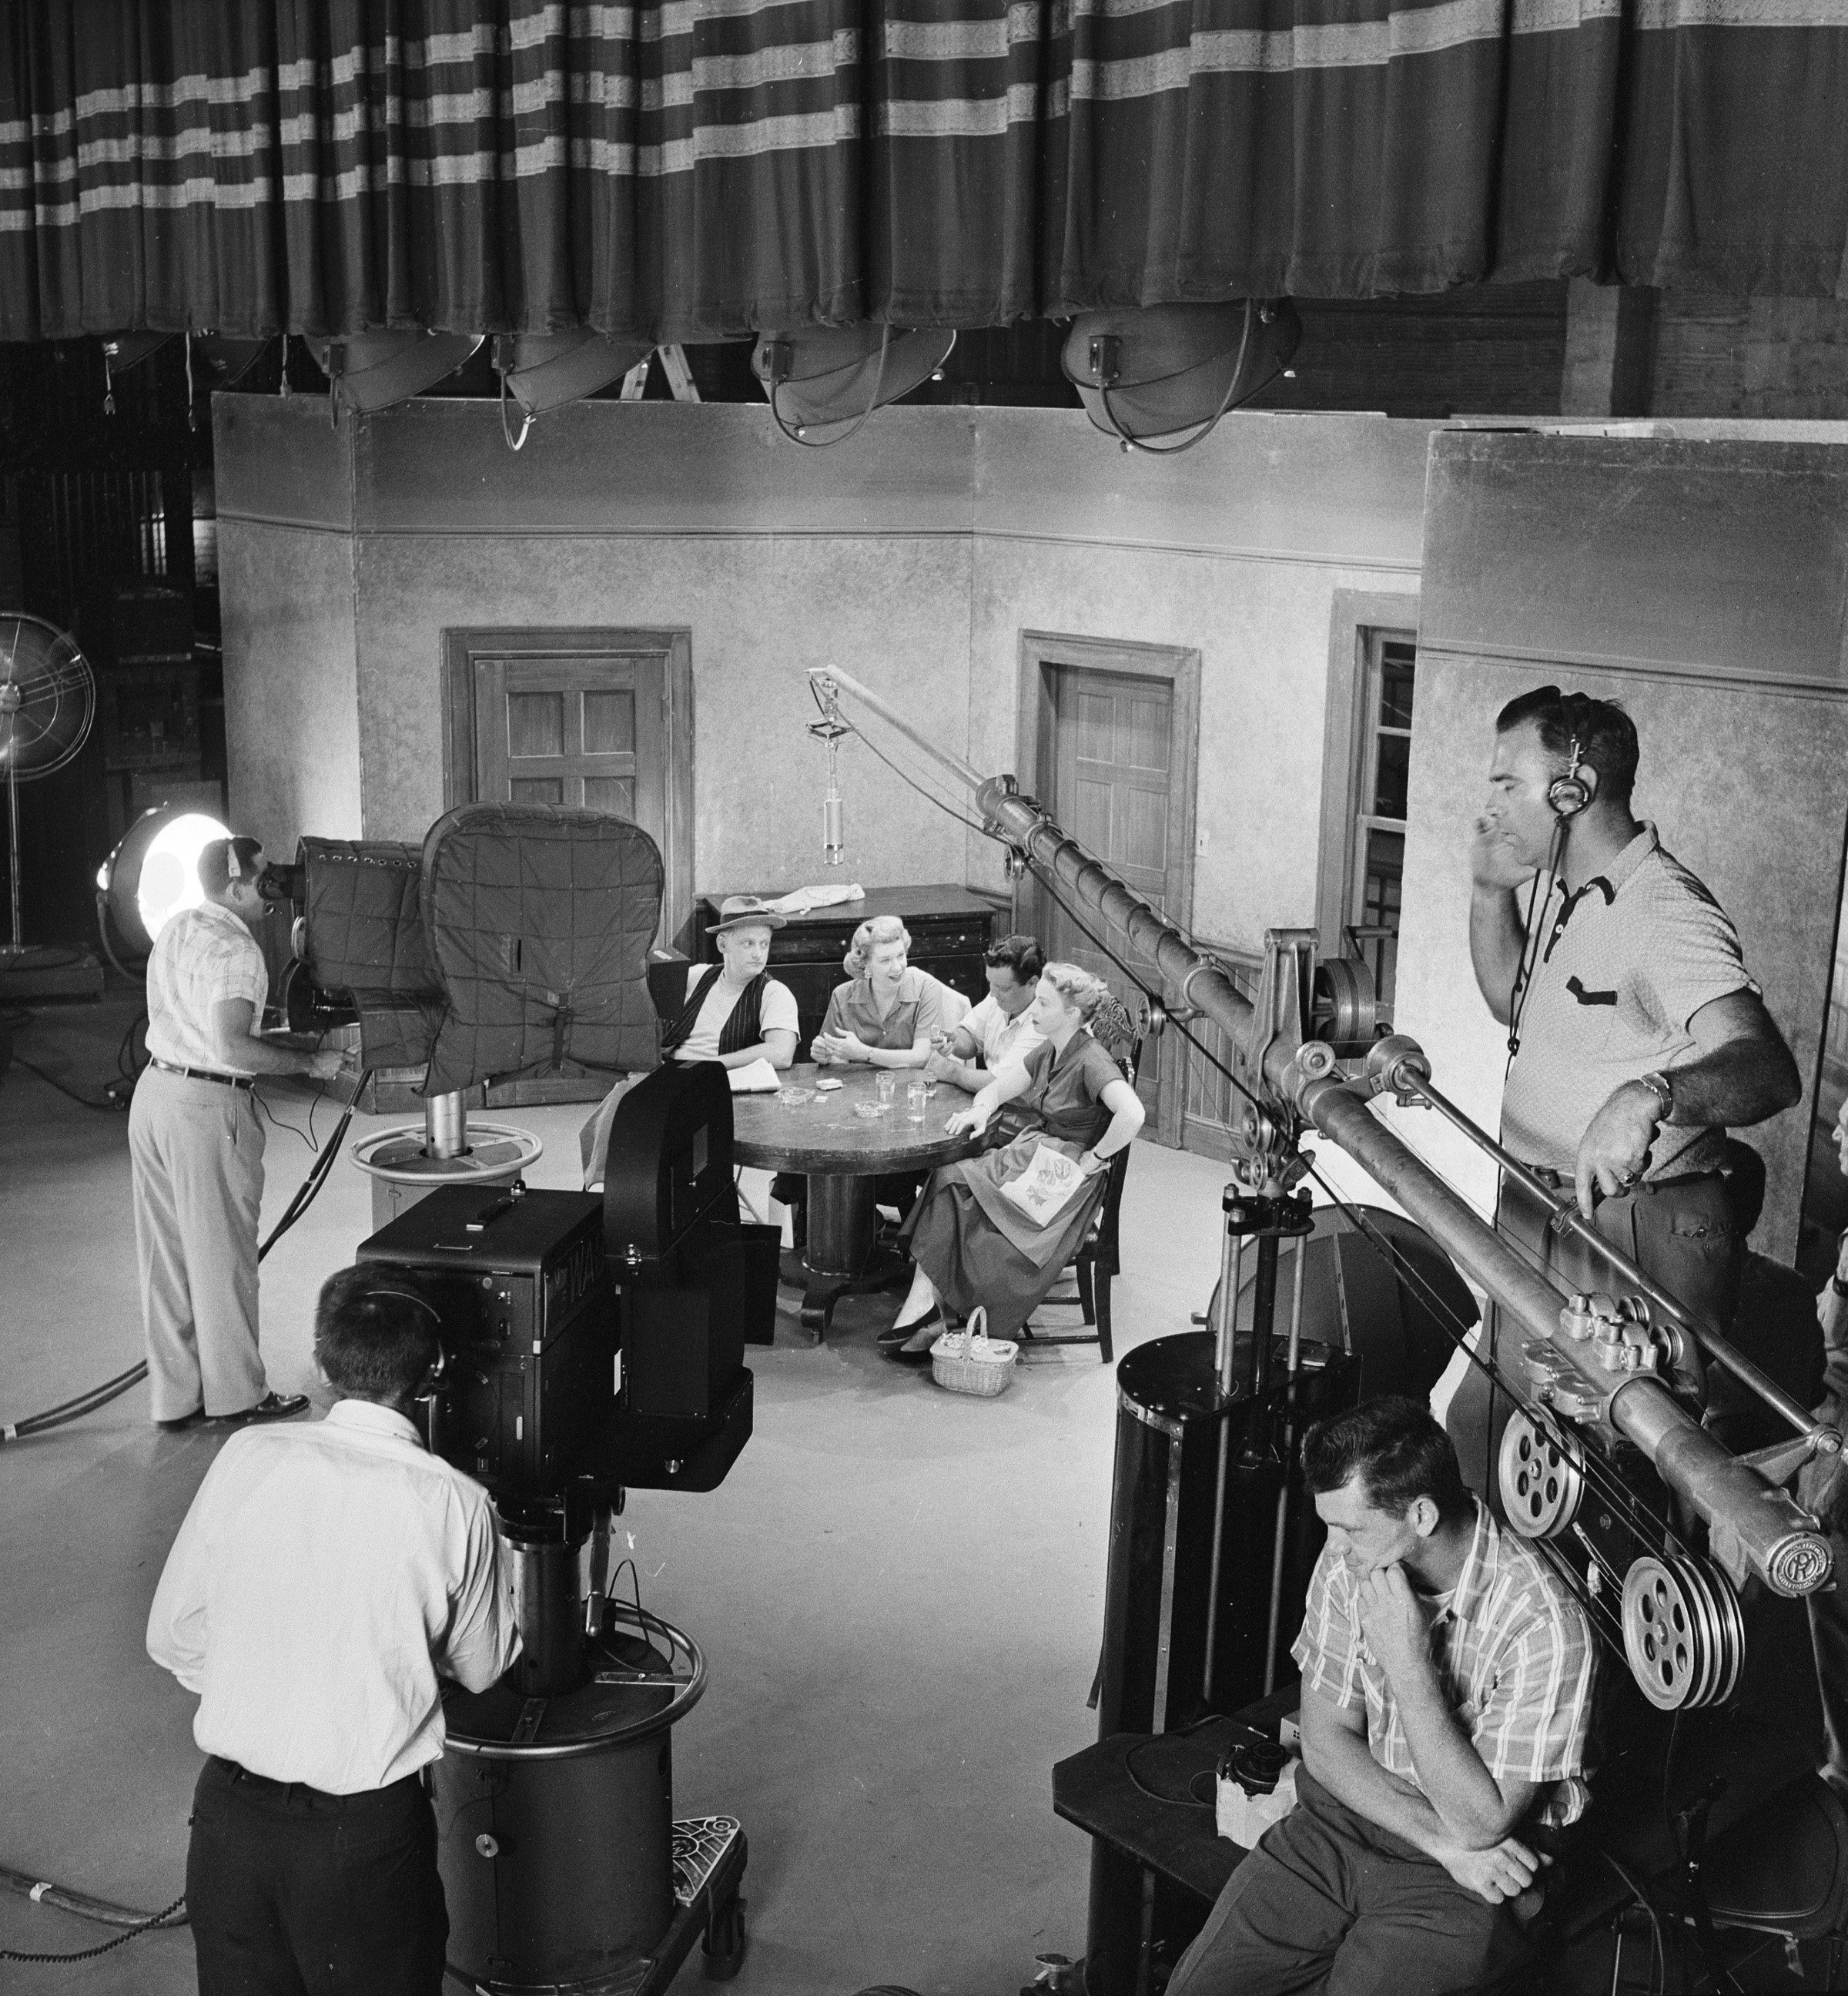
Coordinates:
(422, 1303)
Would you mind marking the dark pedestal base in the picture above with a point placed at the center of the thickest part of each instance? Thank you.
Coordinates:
(839, 1254)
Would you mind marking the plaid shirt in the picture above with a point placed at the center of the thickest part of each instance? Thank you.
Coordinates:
(1623, 964)
(201, 955)
(1514, 1652)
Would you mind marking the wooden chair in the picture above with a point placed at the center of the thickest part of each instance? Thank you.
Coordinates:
(1097, 1259)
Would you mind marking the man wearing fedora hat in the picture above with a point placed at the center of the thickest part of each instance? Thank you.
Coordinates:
(735, 1013)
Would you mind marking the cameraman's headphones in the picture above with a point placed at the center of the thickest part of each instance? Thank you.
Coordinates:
(1577, 784)
(423, 1303)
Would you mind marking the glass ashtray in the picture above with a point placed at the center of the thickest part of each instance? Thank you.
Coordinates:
(793, 1098)
(871, 1110)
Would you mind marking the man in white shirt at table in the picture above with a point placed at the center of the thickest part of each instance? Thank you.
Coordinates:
(325, 1578)
(1000, 1028)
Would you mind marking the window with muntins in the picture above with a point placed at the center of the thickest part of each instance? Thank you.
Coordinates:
(1378, 868)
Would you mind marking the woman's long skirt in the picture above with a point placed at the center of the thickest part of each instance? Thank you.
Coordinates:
(977, 1248)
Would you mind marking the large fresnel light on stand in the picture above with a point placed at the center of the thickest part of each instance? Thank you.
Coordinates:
(154, 872)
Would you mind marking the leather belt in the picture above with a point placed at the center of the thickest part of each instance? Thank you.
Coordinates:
(203, 1073)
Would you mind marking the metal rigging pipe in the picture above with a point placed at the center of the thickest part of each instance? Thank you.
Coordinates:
(1725, 1492)
(1406, 1078)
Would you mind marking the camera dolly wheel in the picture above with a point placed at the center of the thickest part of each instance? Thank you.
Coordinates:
(724, 1942)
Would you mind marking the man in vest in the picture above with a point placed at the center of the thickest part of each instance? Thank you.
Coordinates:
(735, 1013)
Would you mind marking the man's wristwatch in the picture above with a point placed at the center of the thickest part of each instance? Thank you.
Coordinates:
(1663, 1088)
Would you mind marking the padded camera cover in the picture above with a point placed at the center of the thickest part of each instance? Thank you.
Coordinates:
(539, 918)
(365, 938)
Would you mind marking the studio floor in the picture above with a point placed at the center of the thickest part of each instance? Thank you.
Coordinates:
(899, 1591)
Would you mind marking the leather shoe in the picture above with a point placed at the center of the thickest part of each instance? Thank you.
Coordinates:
(180, 1421)
(271, 1407)
(897, 1334)
(921, 1357)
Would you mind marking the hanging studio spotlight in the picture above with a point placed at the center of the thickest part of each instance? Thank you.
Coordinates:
(154, 872)
(220, 360)
(369, 371)
(121, 351)
(1156, 370)
(543, 371)
(823, 381)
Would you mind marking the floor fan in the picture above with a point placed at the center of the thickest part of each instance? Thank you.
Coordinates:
(47, 703)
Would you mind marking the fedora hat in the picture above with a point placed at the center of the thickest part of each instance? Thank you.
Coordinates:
(735, 911)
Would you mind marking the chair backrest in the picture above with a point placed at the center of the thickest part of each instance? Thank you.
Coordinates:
(956, 1007)
(1114, 1029)
(666, 973)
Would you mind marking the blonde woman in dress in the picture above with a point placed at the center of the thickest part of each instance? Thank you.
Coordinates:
(971, 1243)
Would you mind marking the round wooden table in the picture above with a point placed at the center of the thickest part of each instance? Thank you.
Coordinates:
(842, 1153)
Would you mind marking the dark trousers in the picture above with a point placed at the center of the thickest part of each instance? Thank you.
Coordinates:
(1330, 1902)
(1684, 1235)
(292, 1892)
(1822, 1488)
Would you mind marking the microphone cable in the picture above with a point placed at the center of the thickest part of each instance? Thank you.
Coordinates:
(1527, 962)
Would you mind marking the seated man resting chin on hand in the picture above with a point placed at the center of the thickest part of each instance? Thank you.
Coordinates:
(1447, 1685)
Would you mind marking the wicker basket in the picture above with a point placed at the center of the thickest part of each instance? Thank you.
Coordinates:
(971, 1361)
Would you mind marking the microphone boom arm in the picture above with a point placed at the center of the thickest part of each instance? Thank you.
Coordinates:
(1292, 1080)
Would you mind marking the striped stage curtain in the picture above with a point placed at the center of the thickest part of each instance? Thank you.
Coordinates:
(695, 168)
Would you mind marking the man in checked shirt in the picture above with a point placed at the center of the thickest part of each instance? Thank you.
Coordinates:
(1448, 1680)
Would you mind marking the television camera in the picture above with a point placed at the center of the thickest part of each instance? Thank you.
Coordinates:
(591, 1344)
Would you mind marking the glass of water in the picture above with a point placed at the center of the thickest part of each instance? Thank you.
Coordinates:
(916, 1094)
(888, 1087)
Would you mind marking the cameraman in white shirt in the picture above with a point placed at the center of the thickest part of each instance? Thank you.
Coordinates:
(326, 1577)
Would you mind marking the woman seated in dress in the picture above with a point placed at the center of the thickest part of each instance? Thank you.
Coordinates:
(885, 1016)
(971, 1243)
(734, 1012)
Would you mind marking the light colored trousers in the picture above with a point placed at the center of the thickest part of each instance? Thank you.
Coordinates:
(197, 1149)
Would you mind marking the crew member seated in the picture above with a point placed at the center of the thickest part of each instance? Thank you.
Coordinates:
(1448, 1681)
(1000, 1029)
(735, 1013)
(971, 1243)
(886, 1014)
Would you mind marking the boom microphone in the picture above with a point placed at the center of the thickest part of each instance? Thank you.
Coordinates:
(833, 848)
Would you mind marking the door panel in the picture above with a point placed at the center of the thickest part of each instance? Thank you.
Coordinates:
(584, 730)
(1112, 746)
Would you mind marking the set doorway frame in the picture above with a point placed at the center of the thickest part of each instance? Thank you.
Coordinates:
(1042, 653)
(463, 646)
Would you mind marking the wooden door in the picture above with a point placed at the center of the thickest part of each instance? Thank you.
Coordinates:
(583, 730)
(1112, 772)
(593, 716)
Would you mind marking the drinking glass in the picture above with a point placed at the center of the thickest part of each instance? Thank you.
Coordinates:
(888, 1087)
(916, 1094)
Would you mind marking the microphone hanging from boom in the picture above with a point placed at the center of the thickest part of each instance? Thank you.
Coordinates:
(829, 730)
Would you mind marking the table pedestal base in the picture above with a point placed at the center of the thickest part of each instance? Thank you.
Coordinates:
(839, 1256)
